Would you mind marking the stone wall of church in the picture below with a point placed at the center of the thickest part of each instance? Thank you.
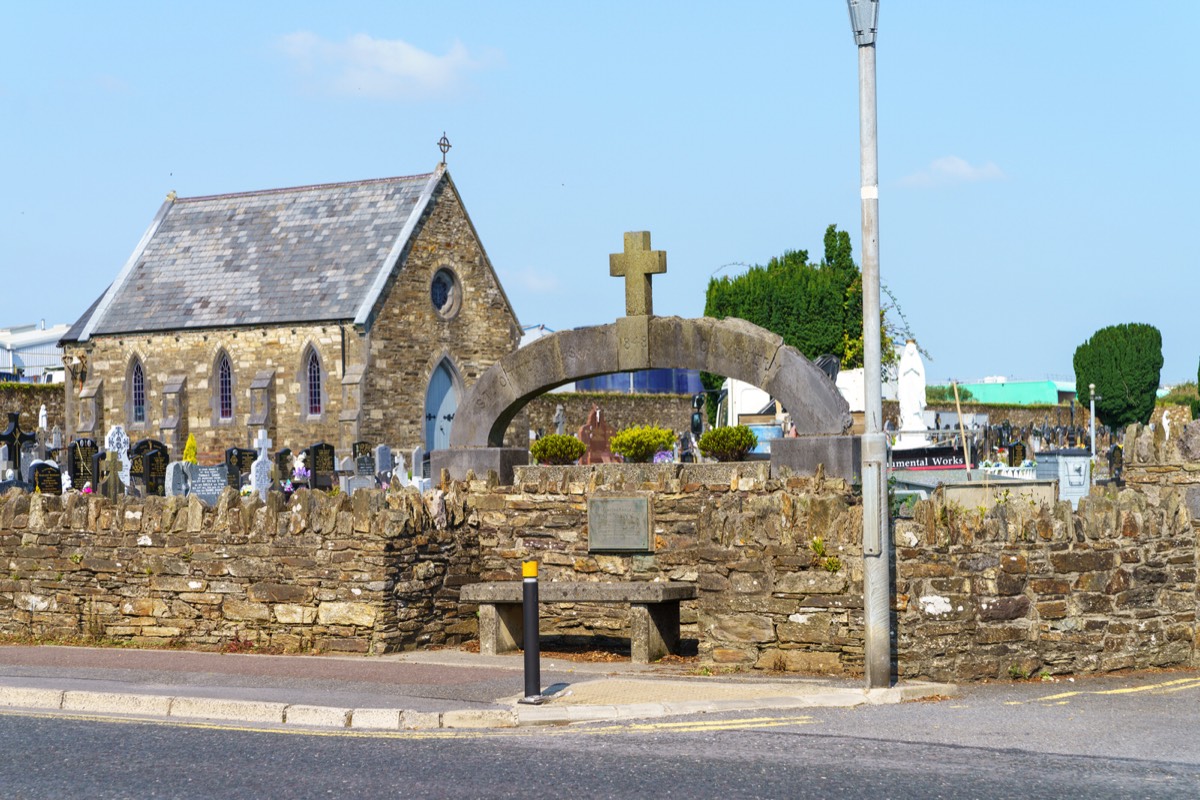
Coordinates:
(193, 354)
(410, 337)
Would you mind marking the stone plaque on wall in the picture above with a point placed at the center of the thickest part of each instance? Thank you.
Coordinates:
(619, 524)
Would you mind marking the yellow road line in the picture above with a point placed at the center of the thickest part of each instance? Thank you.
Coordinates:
(1195, 685)
(1178, 685)
(1132, 689)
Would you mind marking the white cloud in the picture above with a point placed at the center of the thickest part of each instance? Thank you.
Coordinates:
(383, 68)
(949, 170)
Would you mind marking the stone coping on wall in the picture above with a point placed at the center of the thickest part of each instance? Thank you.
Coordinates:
(638, 474)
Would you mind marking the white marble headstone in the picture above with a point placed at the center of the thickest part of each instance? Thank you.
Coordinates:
(260, 470)
(117, 441)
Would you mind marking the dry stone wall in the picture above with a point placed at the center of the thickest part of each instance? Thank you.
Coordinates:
(768, 597)
(1011, 588)
(322, 572)
(1019, 589)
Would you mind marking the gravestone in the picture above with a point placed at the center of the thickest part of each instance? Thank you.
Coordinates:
(47, 478)
(5, 461)
(1116, 464)
(177, 482)
(1016, 454)
(356, 482)
(29, 454)
(16, 439)
(108, 469)
(79, 461)
(283, 465)
(154, 468)
(238, 461)
(398, 474)
(384, 461)
(208, 483)
(418, 463)
(560, 420)
(360, 450)
(117, 442)
(260, 470)
(364, 466)
(321, 461)
(148, 459)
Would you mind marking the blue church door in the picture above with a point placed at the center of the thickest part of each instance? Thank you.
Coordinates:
(441, 402)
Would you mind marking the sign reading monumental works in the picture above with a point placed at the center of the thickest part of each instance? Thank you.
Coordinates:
(619, 524)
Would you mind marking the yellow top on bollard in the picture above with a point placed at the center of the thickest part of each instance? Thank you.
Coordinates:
(528, 569)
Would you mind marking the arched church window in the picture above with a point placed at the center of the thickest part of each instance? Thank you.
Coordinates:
(137, 393)
(313, 372)
(224, 387)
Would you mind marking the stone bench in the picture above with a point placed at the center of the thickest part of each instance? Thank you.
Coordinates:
(654, 611)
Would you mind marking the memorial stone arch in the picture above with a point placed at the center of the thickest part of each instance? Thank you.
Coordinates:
(639, 340)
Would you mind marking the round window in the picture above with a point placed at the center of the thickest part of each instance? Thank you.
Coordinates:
(444, 293)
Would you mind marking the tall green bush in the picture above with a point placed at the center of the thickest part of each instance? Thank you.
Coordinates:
(1124, 362)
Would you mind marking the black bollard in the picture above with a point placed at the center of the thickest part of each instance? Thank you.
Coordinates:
(533, 655)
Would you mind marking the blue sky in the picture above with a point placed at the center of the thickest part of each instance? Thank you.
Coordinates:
(1037, 159)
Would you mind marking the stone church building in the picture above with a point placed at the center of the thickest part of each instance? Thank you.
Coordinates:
(336, 313)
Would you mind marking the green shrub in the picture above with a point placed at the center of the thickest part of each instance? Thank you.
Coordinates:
(730, 443)
(557, 448)
(640, 443)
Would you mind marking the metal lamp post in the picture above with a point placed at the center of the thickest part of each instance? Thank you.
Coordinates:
(864, 15)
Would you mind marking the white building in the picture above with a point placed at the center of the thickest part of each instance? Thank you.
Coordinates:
(30, 353)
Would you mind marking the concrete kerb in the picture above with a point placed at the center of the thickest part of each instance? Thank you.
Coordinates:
(390, 719)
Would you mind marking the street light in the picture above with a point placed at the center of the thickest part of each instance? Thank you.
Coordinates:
(864, 15)
(1092, 415)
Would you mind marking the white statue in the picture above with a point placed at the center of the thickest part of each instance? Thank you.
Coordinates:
(911, 394)
(42, 418)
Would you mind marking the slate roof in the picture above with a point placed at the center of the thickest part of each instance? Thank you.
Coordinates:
(306, 254)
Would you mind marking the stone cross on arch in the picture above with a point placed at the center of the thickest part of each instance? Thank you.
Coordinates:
(636, 265)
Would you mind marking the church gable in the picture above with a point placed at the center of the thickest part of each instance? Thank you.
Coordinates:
(442, 319)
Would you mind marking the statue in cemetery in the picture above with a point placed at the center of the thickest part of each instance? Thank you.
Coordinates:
(595, 433)
(911, 394)
(42, 418)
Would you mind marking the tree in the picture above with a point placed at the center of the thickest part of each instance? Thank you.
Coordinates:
(1124, 362)
(816, 308)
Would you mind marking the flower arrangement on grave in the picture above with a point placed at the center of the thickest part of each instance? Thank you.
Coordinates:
(299, 471)
(639, 443)
(247, 490)
(728, 443)
(557, 448)
(87, 487)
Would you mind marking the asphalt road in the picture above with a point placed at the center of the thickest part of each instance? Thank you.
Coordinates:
(1121, 737)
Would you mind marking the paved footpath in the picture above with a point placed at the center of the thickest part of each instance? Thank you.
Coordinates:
(428, 689)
